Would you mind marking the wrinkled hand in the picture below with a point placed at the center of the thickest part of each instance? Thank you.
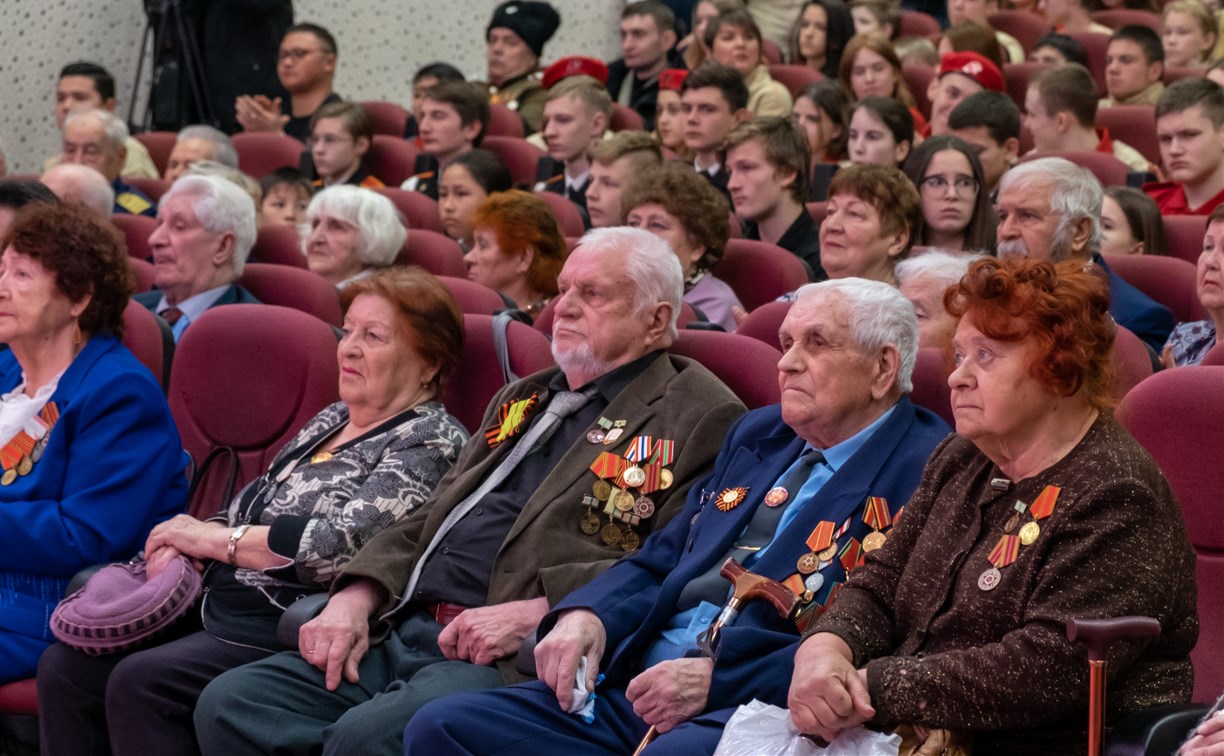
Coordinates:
(672, 692)
(259, 113)
(577, 634)
(488, 633)
(739, 315)
(156, 561)
(1208, 739)
(827, 694)
(187, 535)
(339, 637)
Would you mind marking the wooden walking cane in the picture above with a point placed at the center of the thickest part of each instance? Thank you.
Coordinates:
(746, 587)
(1098, 635)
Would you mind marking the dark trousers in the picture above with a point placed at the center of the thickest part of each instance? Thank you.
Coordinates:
(525, 720)
(280, 705)
(138, 702)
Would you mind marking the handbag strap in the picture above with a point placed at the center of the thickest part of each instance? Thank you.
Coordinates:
(501, 346)
(202, 470)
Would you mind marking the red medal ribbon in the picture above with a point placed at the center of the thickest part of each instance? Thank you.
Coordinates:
(653, 472)
(608, 465)
(1005, 551)
(795, 585)
(876, 514)
(511, 418)
(897, 516)
(1043, 505)
(821, 537)
(842, 530)
(851, 554)
(50, 413)
(9, 456)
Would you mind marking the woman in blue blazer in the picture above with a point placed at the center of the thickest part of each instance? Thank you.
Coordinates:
(89, 454)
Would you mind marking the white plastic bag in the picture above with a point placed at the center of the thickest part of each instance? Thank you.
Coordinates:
(758, 729)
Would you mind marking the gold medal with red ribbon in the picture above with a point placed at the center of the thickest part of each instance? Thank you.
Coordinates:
(511, 418)
(18, 456)
(851, 554)
(1041, 508)
(876, 515)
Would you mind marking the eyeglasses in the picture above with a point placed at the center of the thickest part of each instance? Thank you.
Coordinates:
(297, 55)
(962, 184)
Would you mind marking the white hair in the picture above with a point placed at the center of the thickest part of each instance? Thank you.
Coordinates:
(946, 268)
(650, 263)
(113, 127)
(73, 182)
(221, 207)
(1076, 194)
(223, 149)
(878, 315)
(380, 226)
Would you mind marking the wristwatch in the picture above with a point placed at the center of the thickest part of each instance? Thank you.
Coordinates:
(231, 551)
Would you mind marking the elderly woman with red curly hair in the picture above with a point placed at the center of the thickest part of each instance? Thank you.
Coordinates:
(517, 249)
(1038, 510)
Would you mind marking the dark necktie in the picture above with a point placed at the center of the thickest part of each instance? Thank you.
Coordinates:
(171, 315)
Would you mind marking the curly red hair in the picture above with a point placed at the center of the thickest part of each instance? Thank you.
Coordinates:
(1062, 308)
(521, 220)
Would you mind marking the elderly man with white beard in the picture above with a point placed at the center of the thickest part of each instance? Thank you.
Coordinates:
(1050, 209)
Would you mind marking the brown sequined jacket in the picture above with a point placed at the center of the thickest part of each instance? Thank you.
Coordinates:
(942, 652)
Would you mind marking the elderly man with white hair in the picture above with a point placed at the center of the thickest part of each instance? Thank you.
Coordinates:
(196, 143)
(205, 230)
(1050, 209)
(81, 184)
(799, 492)
(923, 280)
(97, 138)
(572, 468)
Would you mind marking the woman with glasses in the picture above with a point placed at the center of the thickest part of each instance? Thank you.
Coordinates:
(956, 213)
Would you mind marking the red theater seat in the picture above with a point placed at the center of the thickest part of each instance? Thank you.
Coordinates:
(479, 375)
(748, 366)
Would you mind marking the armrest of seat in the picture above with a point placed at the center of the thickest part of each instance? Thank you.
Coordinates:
(1152, 732)
(299, 613)
(524, 662)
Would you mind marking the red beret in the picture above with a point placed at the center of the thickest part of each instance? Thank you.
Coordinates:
(573, 66)
(672, 79)
(976, 67)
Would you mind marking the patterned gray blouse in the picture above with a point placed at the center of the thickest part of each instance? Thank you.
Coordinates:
(321, 513)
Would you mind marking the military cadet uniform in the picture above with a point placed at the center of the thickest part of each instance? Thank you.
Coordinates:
(425, 177)
(534, 23)
(361, 177)
(525, 95)
(130, 201)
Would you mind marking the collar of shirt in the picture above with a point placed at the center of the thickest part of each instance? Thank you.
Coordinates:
(611, 383)
(712, 170)
(838, 454)
(194, 306)
(576, 183)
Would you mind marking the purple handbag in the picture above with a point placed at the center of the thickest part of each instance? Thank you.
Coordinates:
(120, 608)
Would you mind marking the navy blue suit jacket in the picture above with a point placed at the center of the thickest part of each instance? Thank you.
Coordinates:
(235, 294)
(637, 596)
(1137, 312)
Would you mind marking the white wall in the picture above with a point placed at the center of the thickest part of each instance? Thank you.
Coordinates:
(381, 43)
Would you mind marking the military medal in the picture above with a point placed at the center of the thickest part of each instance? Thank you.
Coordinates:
(665, 479)
(602, 490)
(614, 433)
(589, 523)
(598, 435)
(643, 507)
(17, 457)
(828, 554)
(622, 500)
(630, 540)
(776, 496)
(876, 515)
(511, 418)
(1014, 520)
(807, 564)
(610, 534)
(635, 476)
(989, 579)
(39, 447)
(795, 585)
(1041, 508)
(595, 436)
(850, 555)
(9, 476)
(730, 498)
(813, 582)
(320, 457)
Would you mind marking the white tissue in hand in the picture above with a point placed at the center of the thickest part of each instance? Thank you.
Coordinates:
(582, 702)
(758, 729)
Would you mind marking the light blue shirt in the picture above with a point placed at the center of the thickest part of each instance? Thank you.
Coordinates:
(192, 307)
(680, 635)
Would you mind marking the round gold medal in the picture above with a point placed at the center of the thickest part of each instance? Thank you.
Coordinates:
(643, 507)
(622, 500)
(611, 534)
(1029, 533)
(602, 490)
(828, 554)
(665, 478)
(630, 540)
(589, 523)
(9, 476)
(873, 540)
(25, 466)
(807, 563)
(635, 476)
